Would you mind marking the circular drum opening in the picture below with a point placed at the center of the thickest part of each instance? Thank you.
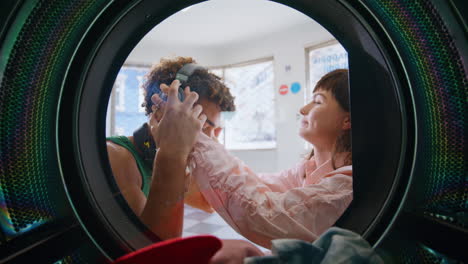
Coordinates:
(378, 107)
(408, 79)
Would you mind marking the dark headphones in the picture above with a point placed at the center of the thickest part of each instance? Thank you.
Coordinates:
(183, 74)
(143, 140)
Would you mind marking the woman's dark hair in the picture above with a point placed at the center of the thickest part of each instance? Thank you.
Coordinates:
(206, 84)
(337, 83)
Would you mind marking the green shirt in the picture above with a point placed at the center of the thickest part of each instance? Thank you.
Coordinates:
(145, 170)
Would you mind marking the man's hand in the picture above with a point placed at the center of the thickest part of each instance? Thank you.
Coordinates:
(180, 124)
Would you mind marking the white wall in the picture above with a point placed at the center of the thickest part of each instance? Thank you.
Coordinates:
(288, 49)
(147, 52)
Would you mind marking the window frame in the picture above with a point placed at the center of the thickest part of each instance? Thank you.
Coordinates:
(307, 50)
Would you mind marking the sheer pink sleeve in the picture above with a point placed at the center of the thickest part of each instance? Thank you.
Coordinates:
(284, 180)
(254, 209)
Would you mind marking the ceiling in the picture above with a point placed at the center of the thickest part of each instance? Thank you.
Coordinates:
(220, 22)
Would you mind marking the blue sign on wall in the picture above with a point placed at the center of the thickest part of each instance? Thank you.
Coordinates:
(295, 87)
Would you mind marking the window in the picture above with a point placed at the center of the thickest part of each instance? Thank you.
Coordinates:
(126, 112)
(252, 125)
(322, 59)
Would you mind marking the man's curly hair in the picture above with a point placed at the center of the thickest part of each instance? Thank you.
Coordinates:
(206, 84)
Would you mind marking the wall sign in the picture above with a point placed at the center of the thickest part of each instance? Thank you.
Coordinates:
(295, 87)
(283, 89)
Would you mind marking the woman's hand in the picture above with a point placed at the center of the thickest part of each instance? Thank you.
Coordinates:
(234, 251)
(179, 125)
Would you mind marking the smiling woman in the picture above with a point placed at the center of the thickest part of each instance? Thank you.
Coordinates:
(329, 126)
(59, 201)
(301, 202)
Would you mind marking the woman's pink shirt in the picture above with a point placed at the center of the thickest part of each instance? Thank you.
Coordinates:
(301, 202)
